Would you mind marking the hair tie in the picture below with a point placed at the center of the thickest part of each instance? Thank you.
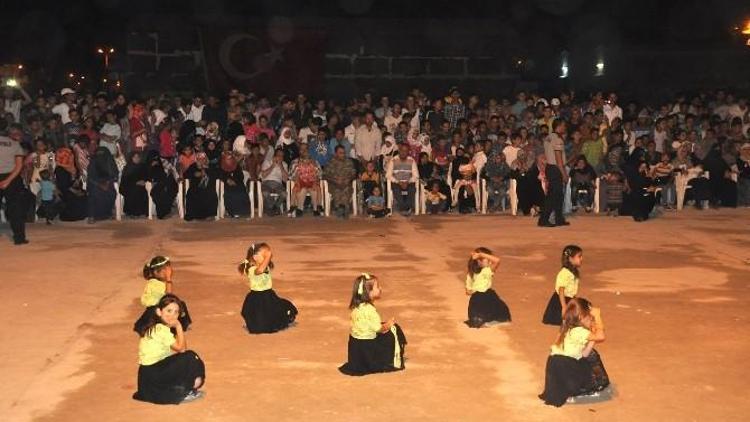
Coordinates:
(367, 276)
(158, 264)
(245, 261)
(361, 287)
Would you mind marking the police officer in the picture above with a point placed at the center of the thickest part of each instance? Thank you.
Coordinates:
(11, 185)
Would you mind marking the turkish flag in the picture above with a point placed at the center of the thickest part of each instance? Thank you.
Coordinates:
(252, 62)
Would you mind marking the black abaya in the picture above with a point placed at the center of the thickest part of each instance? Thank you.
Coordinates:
(201, 200)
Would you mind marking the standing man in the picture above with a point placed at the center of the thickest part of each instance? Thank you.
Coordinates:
(368, 139)
(11, 186)
(550, 179)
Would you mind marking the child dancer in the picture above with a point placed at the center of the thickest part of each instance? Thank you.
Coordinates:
(573, 367)
(168, 372)
(263, 310)
(374, 346)
(566, 285)
(158, 274)
(484, 305)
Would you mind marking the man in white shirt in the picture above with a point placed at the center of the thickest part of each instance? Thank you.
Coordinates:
(384, 108)
(310, 132)
(13, 106)
(511, 151)
(611, 109)
(275, 173)
(111, 133)
(196, 109)
(393, 118)
(403, 174)
(68, 103)
(554, 147)
(368, 139)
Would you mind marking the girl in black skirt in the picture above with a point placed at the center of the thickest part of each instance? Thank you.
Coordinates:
(566, 285)
(573, 367)
(484, 305)
(158, 274)
(374, 346)
(263, 310)
(168, 372)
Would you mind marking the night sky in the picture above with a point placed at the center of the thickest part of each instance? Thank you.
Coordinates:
(61, 36)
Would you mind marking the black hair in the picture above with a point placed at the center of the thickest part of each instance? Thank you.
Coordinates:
(248, 262)
(154, 318)
(568, 252)
(156, 263)
(361, 290)
(473, 266)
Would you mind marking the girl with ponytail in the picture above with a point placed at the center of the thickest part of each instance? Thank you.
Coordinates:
(263, 311)
(566, 284)
(374, 346)
(158, 275)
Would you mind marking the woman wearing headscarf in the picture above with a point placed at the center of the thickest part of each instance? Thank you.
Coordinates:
(101, 176)
(163, 177)
(236, 200)
(201, 200)
(214, 156)
(289, 145)
(70, 185)
(133, 186)
(718, 162)
(639, 201)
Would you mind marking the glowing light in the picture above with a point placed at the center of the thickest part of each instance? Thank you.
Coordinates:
(564, 71)
(71, 75)
(600, 67)
(11, 82)
(100, 51)
(111, 50)
(20, 67)
(83, 77)
(746, 28)
(104, 80)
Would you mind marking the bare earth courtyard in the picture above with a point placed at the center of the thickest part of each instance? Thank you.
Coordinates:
(673, 292)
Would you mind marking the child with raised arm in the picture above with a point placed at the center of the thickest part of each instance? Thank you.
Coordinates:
(263, 311)
(485, 305)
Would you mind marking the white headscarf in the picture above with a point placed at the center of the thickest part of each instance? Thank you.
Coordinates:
(240, 145)
(286, 137)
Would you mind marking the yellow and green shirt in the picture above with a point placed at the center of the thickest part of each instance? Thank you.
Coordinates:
(480, 282)
(573, 344)
(258, 282)
(155, 345)
(366, 323)
(567, 280)
(154, 291)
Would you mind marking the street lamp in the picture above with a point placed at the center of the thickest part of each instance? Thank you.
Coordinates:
(106, 51)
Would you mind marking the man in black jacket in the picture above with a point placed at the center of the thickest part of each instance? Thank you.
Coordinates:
(551, 181)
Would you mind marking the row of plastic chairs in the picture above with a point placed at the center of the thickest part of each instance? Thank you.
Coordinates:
(420, 198)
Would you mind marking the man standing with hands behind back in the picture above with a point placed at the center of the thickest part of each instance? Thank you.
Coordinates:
(11, 186)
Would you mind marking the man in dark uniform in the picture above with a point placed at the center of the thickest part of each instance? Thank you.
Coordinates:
(551, 179)
(11, 185)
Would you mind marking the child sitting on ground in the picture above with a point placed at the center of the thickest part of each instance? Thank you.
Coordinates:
(436, 200)
(376, 204)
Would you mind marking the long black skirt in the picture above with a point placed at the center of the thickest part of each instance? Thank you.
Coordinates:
(265, 312)
(145, 318)
(384, 353)
(136, 201)
(486, 307)
(598, 377)
(553, 313)
(171, 379)
(164, 193)
(564, 377)
(200, 203)
(236, 201)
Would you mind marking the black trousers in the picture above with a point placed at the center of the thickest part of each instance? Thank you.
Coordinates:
(15, 206)
(553, 202)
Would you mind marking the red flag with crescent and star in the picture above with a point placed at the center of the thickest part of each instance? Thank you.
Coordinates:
(252, 61)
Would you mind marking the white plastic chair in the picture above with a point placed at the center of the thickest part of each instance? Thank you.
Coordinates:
(327, 197)
(285, 208)
(597, 193)
(151, 204)
(513, 193)
(220, 209)
(119, 202)
(182, 187)
(417, 195)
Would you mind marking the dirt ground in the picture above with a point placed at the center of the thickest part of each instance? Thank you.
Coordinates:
(673, 293)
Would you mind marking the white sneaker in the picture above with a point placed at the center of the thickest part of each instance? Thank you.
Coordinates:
(192, 396)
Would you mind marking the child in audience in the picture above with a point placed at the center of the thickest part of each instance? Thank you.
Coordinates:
(370, 178)
(158, 275)
(374, 346)
(484, 306)
(376, 204)
(263, 311)
(566, 284)
(169, 373)
(437, 201)
(48, 194)
(615, 189)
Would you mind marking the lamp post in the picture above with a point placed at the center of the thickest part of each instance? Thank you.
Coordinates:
(106, 51)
